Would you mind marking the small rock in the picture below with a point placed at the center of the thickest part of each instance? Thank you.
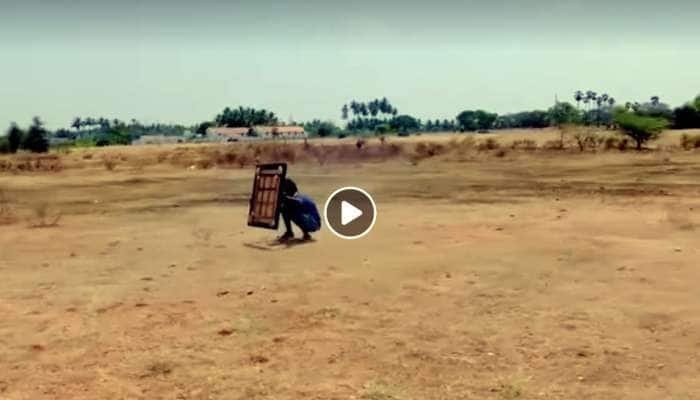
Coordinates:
(73, 255)
(250, 292)
(273, 301)
(678, 250)
(222, 293)
(579, 378)
(448, 275)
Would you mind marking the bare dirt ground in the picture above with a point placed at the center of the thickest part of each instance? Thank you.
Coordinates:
(527, 276)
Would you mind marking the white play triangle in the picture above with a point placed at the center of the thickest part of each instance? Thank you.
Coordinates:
(348, 213)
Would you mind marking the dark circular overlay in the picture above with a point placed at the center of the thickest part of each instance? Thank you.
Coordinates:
(355, 199)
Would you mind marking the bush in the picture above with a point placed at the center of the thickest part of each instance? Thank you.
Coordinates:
(14, 138)
(36, 138)
(553, 145)
(109, 163)
(489, 144)
(524, 144)
(44, 216)
(585, 139)
(689, 142)
(640, 128)
(427, 150)
(4, 145)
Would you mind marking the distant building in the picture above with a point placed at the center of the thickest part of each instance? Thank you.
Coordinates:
(280, 132)
(223, 134)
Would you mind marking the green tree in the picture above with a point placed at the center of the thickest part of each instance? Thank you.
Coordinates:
(245, 117)
(485, 120)
(467, 121)
(114, 136)
(344, 112)
(202, 128)
(14, 138)
(321, 128)
(476, 120)
(640, 128)
(4, 146)
(36, 138)
(563, 113)
(404, 123)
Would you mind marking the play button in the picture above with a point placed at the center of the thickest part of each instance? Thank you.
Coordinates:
(350, 213)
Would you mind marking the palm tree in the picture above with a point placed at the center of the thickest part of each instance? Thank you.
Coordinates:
(344, 111)
(355, 107)
(578, 96)
(611, 101)
(77, 123)
(654, 100)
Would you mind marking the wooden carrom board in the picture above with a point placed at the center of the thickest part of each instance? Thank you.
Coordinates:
(266, 199)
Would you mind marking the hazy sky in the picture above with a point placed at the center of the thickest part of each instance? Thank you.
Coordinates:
(184, 61)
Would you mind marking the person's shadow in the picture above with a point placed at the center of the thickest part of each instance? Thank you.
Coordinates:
(272, 245)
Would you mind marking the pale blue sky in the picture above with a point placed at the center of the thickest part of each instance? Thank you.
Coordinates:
(177, 61)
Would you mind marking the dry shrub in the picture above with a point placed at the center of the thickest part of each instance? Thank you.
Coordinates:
(162, 156)
(7, 216)
(244, 159)
(225, 158)
(585, 137)
(283, 153)
(427, 150)
(623, 144)
(44, 217)
(690, 142)
(524, 144)
(360, 143)
(87, 156)
(553, 145)
(204, 163)
(501, 153)
(109, 162)
(611, 143)
(32, 163)
(489, 144)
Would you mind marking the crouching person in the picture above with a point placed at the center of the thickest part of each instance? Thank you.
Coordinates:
(300, 209)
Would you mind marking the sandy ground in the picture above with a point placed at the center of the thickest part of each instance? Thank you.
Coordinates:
(523, 277)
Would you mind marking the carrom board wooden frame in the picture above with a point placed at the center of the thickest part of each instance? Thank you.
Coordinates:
(266, 199)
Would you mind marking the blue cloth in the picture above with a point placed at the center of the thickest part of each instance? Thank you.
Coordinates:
(303, 212)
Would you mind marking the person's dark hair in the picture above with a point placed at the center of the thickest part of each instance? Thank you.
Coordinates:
(289, 188)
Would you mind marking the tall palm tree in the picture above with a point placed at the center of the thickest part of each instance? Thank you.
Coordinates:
(355, 107)
(578, 96)
(654, 100)
(77, 123)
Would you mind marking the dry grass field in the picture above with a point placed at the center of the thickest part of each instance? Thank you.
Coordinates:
(494, 271)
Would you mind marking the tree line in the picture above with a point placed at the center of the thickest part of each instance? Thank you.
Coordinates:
(642, 120)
